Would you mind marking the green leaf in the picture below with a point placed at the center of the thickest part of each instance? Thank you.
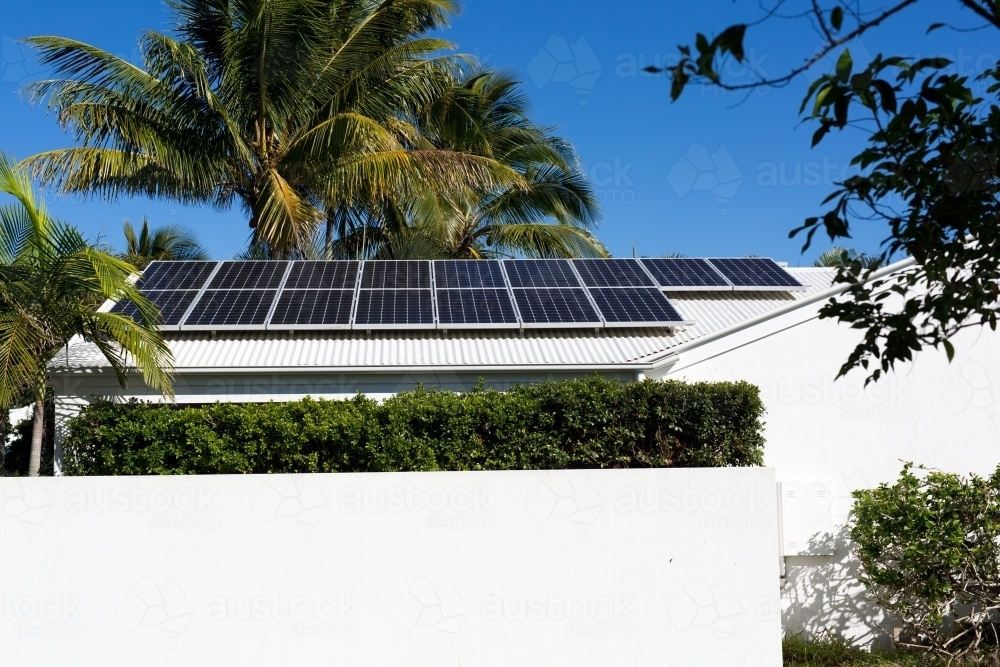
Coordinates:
(949, 349)
(837, 18)
(820, 133)
(844, 65)
(701, 43)
(731, 40)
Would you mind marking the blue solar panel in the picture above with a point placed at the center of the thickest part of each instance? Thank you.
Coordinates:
(333, 274)
(756, 273)
(486, 308)
(612, 273)
(231, 308)
(540, 273)
(172, 304)
(687, 274)
(313, 308)
(176, 275)
(394, 308)
(401, 274)
(624, 306)
(249, 275)
(556, 307)
(461, 273)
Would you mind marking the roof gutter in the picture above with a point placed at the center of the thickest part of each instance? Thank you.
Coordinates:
(778, 312)
(527, 368)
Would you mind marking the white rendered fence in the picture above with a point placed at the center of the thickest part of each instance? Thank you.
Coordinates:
(575, 568)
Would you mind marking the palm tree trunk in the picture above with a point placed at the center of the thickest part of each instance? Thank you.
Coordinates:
(328, 246)
(38, 430)
(4, 428)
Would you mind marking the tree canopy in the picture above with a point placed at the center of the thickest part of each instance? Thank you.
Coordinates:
(300, 112)
(928, 173)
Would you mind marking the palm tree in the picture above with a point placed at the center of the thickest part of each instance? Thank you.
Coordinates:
(838, 257)
(287, 108)
(51, 283)
(170, 242)
(549, 213)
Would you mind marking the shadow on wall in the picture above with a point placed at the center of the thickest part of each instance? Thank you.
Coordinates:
(823, 596)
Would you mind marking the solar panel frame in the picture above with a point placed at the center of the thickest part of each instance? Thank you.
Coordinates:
(363, 306)
(442, 296)
(762, 264)
(608, 298)
(701, 271)
(612, 272)
(529, 311)
(344, 275)
(218, 300)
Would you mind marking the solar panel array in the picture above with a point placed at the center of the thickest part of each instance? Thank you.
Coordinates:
(442, 294)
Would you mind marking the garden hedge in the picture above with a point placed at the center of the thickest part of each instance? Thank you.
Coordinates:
(591, 423)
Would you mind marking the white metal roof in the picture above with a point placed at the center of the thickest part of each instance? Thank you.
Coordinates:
(712, 312)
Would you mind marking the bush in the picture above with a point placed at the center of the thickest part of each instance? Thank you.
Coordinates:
(590, 423)
(929, 548)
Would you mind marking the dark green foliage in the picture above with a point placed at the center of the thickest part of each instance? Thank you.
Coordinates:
(929, 548)
(592, 423)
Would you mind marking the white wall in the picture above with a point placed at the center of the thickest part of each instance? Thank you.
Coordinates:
(826, 438)
(574, 568)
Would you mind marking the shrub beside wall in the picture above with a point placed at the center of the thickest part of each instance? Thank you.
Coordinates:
(590, 423)
(929, 547)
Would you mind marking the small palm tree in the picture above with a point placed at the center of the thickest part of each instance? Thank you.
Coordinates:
(838, 257)
(51, 283)
(165, 243)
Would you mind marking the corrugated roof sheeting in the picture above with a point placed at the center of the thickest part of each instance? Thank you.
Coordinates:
(711, 311)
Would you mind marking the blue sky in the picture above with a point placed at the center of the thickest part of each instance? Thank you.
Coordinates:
(711, 175)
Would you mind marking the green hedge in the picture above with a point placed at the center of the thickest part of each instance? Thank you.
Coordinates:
(590, 423)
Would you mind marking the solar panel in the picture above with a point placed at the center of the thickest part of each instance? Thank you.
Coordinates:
(230, 308)
(249, 275)
(756, 273)
(333, 274)
(459, 273)
(558, 307)
(175, 275)
(482, 308)
(630, 307)
(612, 273)
(401, 274)
(172, 304)
(394, 308)
(686, 274)
(313, 307)
(540, 273)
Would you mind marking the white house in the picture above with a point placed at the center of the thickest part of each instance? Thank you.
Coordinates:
(825, 437)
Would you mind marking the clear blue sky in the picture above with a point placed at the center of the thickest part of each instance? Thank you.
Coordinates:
(713, 174)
